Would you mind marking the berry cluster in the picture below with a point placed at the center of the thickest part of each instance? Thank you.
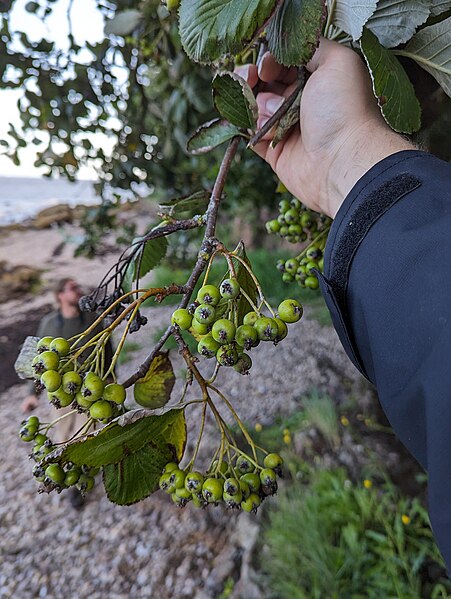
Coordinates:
(298, 224)
(212, 319)
(243, 485)
(51, 475)
(54, 369)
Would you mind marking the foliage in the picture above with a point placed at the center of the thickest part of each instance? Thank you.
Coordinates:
(334, 538)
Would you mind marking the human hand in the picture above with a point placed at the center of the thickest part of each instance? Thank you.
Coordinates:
(341, 133)
(29, 404)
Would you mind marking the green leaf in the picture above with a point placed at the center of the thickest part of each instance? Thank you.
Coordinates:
(391, 86)
(394, 21)
(211, 28)
(197, 201)
(247, 283)
(148, 257)
(352, 16)
(210, 135)
(431, 49)
(155, 388)
(136, 476)
(125, 436)
(440, 6)
(293, 32)
(234, 100)
(123, 22)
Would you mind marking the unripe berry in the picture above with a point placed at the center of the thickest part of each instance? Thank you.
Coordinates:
(205, 314)
(182, 318)
(32, 422)
(282, 330)
(287, 278)
(55, 473)
(251, 504)
(266, 328)
(177, 478)
(311, 282)
(291, 216)
(284, 205)
(100, 410)
(232, 486)
(243, 465)
(172, 4)
(291, 266)
(48, 360)
(246, 336)
(72, 477)
(51, 379)
(290, 310)
(227, 355)
(44, 344)
(232, 501)
(82, 401)
(243, 364)
(93, 386)
(273, 226)
(208, 294)
(229, 288)
(61, 346)
(60, 399)
(269, 481)
(272, 460)
(26, 434)
(85, 483)
(115, 393)
(72, 382)
(198, 329)
(212, 490)
(250, 318)
(253, 480)
(207, 346)
(223, 331)
(194, 481)
(170, 466)
(223, 467)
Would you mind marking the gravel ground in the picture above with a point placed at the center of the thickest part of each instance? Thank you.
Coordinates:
(151, 549)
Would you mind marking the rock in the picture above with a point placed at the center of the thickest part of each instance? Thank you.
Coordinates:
(16, 280)
(62, 213)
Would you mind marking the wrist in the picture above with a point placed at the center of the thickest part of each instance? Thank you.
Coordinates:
(364, 147)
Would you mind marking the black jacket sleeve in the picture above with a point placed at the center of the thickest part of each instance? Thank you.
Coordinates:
(387, 283)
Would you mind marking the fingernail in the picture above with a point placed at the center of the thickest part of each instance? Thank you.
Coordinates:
(243, 71)
(272, 105)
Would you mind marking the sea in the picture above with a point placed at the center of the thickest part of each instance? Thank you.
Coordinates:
(23, 197)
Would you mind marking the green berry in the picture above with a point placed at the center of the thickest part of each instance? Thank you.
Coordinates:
(26, 434)
(115, 393)
(273, 226)
(85, 483)
(282, 330)
(243, 364)
(266, 328)
(198, 329)
(232, 501)
(229, 288)
(38, 473)
(273, 461)
(246, 336)
(60, 399)
(291, 266)
(269, 481)
(205, 314)
(48, 360)
(232, 486)
(296, 204)
(55, 473)
(51, 379)
(243, 465)
(284, 205)
(93, 386)
(290, 310)
(291, 216)
(223, 331)
(61, 346)
(40, 439)
(209, 294)
(172, 4)
(251, 504)
(177, 478)
(253, 480)
(82, 401)
(101, 410)
(194, 481)
(44, 344)
(207, 346)
(314, 253)
(227, 355)
(32, 422)
(223, 467)
(165, 484)
(170, 466)
(72, 477)
(72, 382)
(245, 490)
(212, 490)
(287, 278)
(250, 318)
(311, 282)
(198, 500)
(182, 318)
(183, 496)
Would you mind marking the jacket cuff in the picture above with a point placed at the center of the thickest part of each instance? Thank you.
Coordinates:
(376, 192)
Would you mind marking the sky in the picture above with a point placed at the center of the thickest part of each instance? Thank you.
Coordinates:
(87, 26)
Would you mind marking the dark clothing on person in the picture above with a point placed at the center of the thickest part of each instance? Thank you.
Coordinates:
(387, 284)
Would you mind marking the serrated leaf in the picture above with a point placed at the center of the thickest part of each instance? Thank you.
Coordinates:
(125, 436)
(234, 100)
(395, 21)
(212, 28)
(211, 135)
(289, 120)
(431, 49)
(195, 202)
(391, 86)
(247, 283)
(439, 7)
(123, 22)
(148, 257)
(352, 16)
(136, 476)
(155, 388)
(293, 32)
